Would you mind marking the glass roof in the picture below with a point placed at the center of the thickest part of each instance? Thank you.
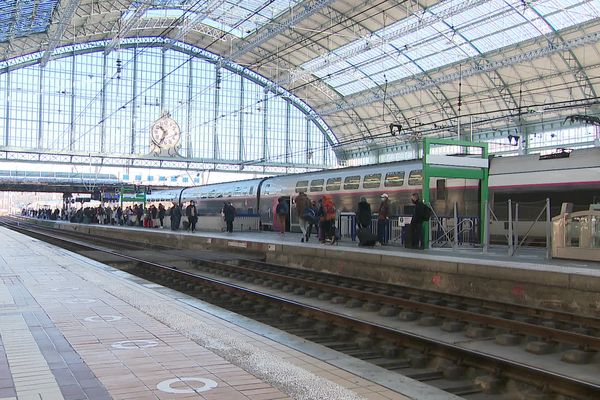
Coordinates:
(469, 32)
(237, 17)
(23, 17)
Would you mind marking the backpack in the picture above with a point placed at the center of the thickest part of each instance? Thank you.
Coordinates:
(309, 214)
(427, 212)
(282, 209)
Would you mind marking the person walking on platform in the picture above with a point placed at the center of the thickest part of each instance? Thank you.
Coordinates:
(192, 215)
(302, 205)
(310, 216)
(383, 219)
(416, 223)
(282, 210)
(175, 216)
(228, 215)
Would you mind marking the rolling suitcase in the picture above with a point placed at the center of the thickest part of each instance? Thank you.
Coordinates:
(365, 237)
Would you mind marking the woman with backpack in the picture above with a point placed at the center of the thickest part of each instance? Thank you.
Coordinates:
(282, 211)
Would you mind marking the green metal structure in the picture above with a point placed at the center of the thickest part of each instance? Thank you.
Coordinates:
(443, 166)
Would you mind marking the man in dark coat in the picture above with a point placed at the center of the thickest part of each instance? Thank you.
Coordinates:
(192, 215)
(383, 219)
(363, 214)
(229, 216)
(175, 216)
(416, 223)
(161, 214)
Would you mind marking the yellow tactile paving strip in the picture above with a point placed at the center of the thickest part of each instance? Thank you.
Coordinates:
(30, 373)
(97, 311)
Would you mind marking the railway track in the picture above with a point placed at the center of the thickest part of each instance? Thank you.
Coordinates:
(473, 348)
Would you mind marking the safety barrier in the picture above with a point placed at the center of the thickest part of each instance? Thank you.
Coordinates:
(395, 228)
(577, 235)
(444, 230)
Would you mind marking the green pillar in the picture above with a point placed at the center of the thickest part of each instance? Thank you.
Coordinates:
(454, 169)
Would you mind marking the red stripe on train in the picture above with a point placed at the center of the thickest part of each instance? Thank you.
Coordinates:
(553, 184)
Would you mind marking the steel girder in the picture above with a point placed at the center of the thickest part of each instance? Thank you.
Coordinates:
(58, 30)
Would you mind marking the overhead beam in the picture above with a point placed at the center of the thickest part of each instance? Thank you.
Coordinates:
(479, 65)
(128, 26)
(200, 14)
(276, 28)
(65, 15)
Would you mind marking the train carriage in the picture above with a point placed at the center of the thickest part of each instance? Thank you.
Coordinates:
(563, 177)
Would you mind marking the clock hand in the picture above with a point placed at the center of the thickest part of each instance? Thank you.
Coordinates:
(164, 135)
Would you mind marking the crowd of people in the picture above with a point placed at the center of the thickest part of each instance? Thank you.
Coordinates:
(319, 215)
(322, 215)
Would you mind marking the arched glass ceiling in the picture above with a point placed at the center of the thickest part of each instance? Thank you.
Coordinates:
(88, 101)
(445, 34)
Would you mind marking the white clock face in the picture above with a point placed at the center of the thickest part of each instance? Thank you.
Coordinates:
(165, 133)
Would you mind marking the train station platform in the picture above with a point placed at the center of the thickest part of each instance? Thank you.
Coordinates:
(72, 328)
(527, 278)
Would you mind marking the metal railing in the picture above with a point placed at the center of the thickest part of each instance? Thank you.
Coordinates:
(395, 229)
(454, 231)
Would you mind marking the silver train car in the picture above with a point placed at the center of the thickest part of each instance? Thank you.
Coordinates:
(563, 177)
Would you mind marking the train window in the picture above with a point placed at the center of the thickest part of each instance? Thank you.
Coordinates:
(440, 192)
(251, 191)
(333, 184)
(394, 179)
(416, 177)
(372, 181)
(317, 185)
(351, 182)
(301, 186)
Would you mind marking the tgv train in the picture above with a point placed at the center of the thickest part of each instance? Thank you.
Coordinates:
(563, 177)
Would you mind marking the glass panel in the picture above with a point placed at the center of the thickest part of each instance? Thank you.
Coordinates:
(415, 178)
(439, 42)
(393, 179)
(301, 186)
(24, 17)
(317, 185)
(372, 181)
(352, 182)
(333, 184)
